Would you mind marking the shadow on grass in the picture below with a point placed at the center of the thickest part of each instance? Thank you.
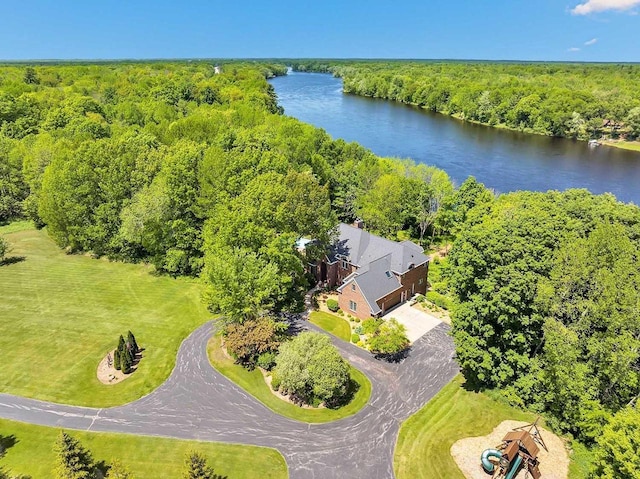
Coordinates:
(12, 260)
(393, 357)
(7, 442)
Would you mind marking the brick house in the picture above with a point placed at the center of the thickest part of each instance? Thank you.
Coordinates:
(373, 274)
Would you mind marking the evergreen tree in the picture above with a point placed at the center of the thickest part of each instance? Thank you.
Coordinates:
(132, 341)
(72, 460)
(121, 344)
(125, 362)
(118, 471)
(196, 467)
(117, 360)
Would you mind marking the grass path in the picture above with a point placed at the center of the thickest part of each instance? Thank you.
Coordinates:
(62, 313)
(146, 457)
(332, 324)
(253, 382)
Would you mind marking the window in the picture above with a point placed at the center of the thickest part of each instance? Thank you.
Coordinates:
(344, 265)
(420, 281)
(388, 273)
(353, 286)
(353, 305)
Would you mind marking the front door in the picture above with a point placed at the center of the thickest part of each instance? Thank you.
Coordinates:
(403, 297)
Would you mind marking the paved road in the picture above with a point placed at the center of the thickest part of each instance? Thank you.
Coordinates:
(197, 402)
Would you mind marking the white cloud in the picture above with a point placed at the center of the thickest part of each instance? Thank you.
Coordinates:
(594, 6)
(591, 42)
(573, 49)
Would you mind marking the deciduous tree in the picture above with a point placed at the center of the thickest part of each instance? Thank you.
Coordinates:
(311, 368)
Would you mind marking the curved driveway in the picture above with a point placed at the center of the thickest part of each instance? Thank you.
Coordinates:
(197, 402)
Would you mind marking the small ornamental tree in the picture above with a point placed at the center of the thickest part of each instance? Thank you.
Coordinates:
(72, 461)
(196, 467)
(131, 339)
(247, 341)
(125, 361)
(311, 369)
(389, 338)
(117, 360)
(118, 471)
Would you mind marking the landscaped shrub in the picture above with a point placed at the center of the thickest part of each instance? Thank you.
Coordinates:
(311, 369)
(267, 360)
(421, 298)
(247, 341)
(340, 312)
(439, 300)
(275, 382)
(389, 338)
(370, 326)
(124, 357)
(355, 338)
(357, 320)
(332, 304)
(359, 330)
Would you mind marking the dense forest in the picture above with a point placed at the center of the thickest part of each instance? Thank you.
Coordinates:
(199, 173)
(195, 171)
(583, 101)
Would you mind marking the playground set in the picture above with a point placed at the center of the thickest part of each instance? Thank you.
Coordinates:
(518, 450)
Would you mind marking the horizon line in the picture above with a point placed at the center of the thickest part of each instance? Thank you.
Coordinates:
(365, 59)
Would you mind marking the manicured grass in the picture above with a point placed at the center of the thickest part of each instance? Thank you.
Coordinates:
(332, 324)
(16, 226)
(61, 314)
(625, 145)
(253, 382)
(146, 457)
(425, 439)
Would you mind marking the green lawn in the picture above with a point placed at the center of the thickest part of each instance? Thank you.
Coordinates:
(425, 439)
(62, 313)
(332, 324)
(422, 450)
(146, 457)
(253, 382)
(625, 145)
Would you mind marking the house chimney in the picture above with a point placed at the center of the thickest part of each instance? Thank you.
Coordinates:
(358, 224)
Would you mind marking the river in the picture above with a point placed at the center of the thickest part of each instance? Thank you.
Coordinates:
(501, 159)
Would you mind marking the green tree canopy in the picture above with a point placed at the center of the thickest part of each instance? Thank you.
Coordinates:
(72, 460)
(310, 368)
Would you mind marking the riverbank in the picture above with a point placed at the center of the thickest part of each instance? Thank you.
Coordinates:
(501, 159)
(623, 145)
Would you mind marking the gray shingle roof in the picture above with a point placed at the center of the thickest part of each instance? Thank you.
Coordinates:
(360, 247)
(377, 259)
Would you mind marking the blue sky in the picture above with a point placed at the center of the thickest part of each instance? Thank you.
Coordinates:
(577, 30)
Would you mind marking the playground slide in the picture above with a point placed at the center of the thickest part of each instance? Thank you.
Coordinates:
(486, 454)
(514, 467)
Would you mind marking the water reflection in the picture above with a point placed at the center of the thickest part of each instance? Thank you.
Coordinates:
(502, 159)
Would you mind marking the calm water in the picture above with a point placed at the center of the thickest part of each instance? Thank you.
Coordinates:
(503, 160)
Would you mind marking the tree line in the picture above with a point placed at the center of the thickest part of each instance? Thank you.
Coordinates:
(200, 174)
(582, 101)
(548, 313)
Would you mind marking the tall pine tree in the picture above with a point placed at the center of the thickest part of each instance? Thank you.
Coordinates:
(72, 460)
(196, 467)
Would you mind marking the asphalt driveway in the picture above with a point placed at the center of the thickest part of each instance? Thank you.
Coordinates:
(197, 402)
